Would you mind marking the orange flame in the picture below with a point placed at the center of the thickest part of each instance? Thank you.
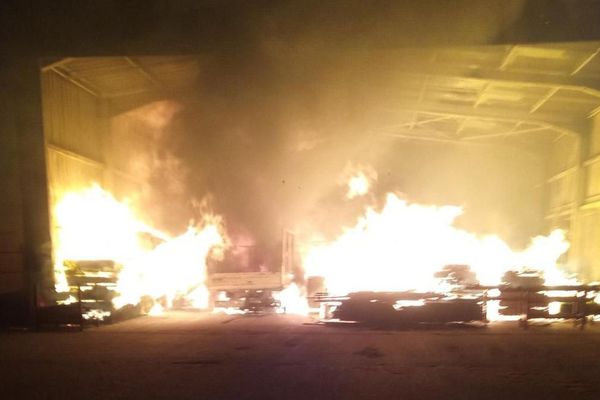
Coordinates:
(92, 225)
(403, 245)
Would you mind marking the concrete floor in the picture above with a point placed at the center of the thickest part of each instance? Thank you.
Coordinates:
(202, 356)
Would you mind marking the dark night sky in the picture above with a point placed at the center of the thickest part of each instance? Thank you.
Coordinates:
(94, 27)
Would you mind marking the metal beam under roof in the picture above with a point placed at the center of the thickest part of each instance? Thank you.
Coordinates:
(508, 133)
(144, 71)
(544, 99)
(518, 80)
(441, 110)
(585, 62)
(82, 84)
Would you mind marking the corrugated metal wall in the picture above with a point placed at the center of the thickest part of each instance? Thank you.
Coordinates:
(74, 146)
(83, 147)
(588, 237)
(71, 117)
(574, 197)
(128, 153)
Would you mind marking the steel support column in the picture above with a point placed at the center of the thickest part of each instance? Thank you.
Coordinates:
(27, 96)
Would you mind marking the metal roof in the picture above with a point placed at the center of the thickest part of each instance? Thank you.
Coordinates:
(522, 92)
(114, 77)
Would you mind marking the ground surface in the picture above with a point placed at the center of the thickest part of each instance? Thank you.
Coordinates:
(204, 356)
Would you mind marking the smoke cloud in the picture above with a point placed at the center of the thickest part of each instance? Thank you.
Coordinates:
(274, 120)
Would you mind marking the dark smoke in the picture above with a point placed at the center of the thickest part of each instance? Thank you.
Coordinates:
(277, 115)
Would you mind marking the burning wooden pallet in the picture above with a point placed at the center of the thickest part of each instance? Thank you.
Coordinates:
(92, 287)
(94, 282)
(403, 308)
(468, 303)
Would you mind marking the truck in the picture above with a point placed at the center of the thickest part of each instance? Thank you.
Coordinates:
(252, 287)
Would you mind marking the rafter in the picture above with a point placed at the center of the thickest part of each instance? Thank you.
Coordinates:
(594, 112)
(507, 133)
(144, 71)
(421, 138)
(508, 58)
(585, 62)
(412, 124)
(82, 84)
(56, 63)
(482, 94)
(543, 100)
(442, 110)
(509, 78)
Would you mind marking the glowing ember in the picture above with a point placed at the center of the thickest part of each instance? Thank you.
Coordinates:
(402, 246)
(92, 225)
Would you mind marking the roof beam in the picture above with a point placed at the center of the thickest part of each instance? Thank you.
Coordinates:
(150, 76)
(56, 63)
(456, 111)
(422, 138)
(412, 124)
(481, 97)
(507, 133)
(543, 100)
(80, 83)
(81, 158)
(508, 78)
(508, 58)
(585, 62)
(594, 112)
(402, 136)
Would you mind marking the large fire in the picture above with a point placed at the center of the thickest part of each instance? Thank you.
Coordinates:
(396, 248)
(92, 225)
(403, 245)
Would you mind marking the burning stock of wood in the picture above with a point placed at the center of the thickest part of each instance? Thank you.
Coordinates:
(403, 262)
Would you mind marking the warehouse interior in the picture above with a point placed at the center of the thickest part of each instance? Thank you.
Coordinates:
(538, 104)
(528, 107)
(374, 139)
